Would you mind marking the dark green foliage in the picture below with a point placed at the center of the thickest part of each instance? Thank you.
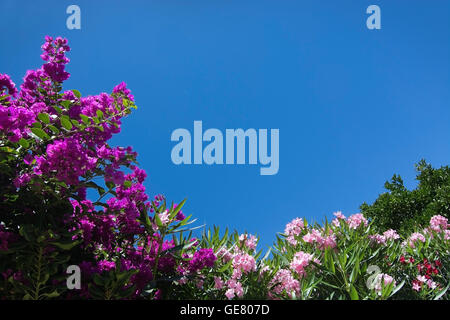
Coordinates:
(404, 210)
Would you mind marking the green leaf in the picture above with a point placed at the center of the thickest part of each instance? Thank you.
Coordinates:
(85, 119)
(178, 208)
(45, 279)
(66, 104)
(27, 232)
(226, 266)
(99, 114)
(53, 128)
(443, 291)
(27, 297)
(158, 220)
(397, 288)
(37, 125)
(44, 117)
(92, 184)
(98, 280)
(58, 109)
(40, 133)
(353, 293)
(24, 143)
(267, 254)
(110, 184)
(127, 292)
(75, 123)
(53, 294)
(355, 272)
(66, 245)
(127, 183)
(66, 123)
(76, 93)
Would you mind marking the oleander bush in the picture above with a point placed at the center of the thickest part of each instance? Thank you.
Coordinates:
(54, 152)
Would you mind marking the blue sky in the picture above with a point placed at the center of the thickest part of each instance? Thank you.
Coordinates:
(353, 106)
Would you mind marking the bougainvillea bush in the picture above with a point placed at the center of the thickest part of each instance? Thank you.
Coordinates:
(54, 152)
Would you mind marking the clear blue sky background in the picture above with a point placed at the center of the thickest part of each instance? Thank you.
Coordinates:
(353, 106)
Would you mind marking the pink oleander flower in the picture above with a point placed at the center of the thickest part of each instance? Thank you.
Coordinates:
(415, 237)
(300, 262)
(229, 294)
(378, 239)
(243, 263)
(263, 271)
(355, 220)
(439, 223)
(391, 235)
(431, 284)
(235, 289)
(164, 217)
(339, 217)
(323, 242)
(283, 281)
(249, 241)
(291, 240)
(313, 236)
(218, 283)
(224, 254)
(199, 284)
(416, 285)
(328, 242)
(382, 278)
(422, 279)
(295, 227)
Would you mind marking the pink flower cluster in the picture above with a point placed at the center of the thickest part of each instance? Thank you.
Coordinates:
(381, 281)
(322, 241)
(294, 228)
(243, 263)
(339, 216)
(439, 223)
(301, 261)
(248, 241)
(415, 238)
(387, 235)
(420, 281)
(356, 220)
(284, 282)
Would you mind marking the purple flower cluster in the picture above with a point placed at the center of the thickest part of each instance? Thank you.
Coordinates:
(7, 84)
(67, 160)
(54, 54)
(63, 140)
(15, 122)
(203, 258)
